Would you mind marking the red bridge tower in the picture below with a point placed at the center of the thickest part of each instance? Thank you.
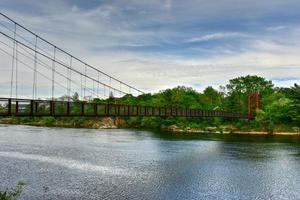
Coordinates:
(253, 104)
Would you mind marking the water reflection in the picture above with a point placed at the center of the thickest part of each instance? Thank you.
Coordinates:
(134, 164)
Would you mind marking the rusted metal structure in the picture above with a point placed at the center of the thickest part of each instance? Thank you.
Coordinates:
(64, 71)
(29, 107)
(253, 104)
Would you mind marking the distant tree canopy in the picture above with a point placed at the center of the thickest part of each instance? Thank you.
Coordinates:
(248, 84)
(277, 105)
(239, 88)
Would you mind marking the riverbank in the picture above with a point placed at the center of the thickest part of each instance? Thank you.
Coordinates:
(229, 127)
(294, 131)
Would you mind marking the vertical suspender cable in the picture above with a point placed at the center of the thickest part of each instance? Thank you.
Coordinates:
(114, 95)
(120, 89)
(81, 87)
(16, 70)
(98, 85)
(109, 89)
(84, 89)
(13, 62)
(53, 71)
(69, 79)
(34, 83)
(94, 87)
(104, 92)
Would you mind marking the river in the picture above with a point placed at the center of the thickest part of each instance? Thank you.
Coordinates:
(64, 163)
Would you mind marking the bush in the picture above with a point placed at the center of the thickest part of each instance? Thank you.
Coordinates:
(133, 121)
(150, 122)
(48, 121)
(13, 193)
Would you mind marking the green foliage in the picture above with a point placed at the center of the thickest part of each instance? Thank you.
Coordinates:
(13, 193)
(239, 88)
(133, 121)
(211, 98)
(150, 122)
(277, 105)
(281, 107)
(75, 97)
(48, 121)
(247, 84)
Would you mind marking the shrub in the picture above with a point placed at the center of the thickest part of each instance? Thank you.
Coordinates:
(150, 122)
(13, 193)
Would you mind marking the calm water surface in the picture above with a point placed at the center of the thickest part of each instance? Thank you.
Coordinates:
(58, 163)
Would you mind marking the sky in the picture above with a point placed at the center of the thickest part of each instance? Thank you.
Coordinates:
(157, 44)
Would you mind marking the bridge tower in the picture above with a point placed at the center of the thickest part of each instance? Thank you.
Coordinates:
(253, 104)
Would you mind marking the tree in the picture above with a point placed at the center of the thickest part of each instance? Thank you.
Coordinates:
(181, 96)
(211, 98)
(293, 111)
(75, 97)
(247, 84)
(111, 95)
(239, 88)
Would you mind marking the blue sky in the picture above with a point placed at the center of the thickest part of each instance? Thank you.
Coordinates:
(160, 44)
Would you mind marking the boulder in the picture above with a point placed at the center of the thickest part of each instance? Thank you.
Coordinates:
(173, 128)
(296, 129)
(211, 129)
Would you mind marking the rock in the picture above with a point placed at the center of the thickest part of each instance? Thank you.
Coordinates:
(164, 127)
(228, 129)
(108, 123)
(210, 129)
(120, 123)
(173, 128)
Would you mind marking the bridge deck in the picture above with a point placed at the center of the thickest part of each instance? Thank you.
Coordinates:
(29, 107)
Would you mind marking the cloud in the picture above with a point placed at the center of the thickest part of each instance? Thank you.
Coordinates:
(168, 4)
(216, 36)
(276, 28)
(154, 45)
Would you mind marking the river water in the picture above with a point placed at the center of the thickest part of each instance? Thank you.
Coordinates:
(61, 163)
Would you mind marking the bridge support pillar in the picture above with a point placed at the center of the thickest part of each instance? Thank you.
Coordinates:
(9, 107)
(82, 109)
(31, 107)
(95, 109)
(68, 108)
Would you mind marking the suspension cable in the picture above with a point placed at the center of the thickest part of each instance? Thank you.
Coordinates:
(38, 61)
(53, 71)
(16, 70)
(85, 68)
(61, 64)
(69, 78)
(13, 62)
(28, 66)
(46, 41)
(34, 84)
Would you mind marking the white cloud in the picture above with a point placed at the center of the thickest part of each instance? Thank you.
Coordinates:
(74, 8)
(105, 36)
(168, 4)
(216, 36)
(276, 28)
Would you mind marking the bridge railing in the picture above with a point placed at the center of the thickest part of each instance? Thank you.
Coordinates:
(28, 107)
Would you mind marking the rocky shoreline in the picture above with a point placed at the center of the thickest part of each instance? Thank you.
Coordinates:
(229, 130)
(110, 123)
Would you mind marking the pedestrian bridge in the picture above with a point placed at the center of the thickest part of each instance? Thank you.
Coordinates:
(37, 64)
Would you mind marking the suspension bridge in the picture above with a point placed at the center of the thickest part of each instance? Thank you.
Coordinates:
(38, 69)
